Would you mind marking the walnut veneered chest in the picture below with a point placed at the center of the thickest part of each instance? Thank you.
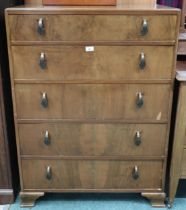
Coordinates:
(178, 159)
(92, 90)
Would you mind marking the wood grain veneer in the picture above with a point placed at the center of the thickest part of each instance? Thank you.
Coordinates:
(178, 157)
(93, 101)
(90, 27)
(183, 167)
(90, 139)
(77, 64)
(92, 97)
(85, 174)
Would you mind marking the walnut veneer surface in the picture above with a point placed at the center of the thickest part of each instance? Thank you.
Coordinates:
(178, 158)
(92, 91)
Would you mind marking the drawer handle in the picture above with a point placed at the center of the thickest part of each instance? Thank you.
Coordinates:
(42, 61)
(137, 138)
(44, 100)
(142, 62)
(49, 173)
(144, 27)
(139, 100)
(135, 173)
(47, 138)
(41, 27)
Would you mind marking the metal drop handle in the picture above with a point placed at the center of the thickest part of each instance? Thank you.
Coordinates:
(142, 62)
(137, 138)
(49, 173)
(135, 173)
(43, 61)
(44, 100)
(47, 139)
(144, 28)
(139, 100)
(41, 27)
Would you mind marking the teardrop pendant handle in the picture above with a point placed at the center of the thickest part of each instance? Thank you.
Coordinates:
(47, 140)
(139, 100)
(137, 138)
(44, 100)
(41, 27)
(144, 28)
(42, 61)
(135, 173)
(49, 173)
(142, 62)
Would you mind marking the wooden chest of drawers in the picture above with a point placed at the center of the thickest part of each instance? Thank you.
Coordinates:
(178, 161)
(92, 90)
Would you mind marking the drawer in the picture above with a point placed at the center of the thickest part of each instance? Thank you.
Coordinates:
(100, 63)
(90, 139)
(91, 174)
(91, 27)
(93, 101)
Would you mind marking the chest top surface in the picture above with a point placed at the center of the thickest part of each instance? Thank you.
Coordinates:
(120, 8)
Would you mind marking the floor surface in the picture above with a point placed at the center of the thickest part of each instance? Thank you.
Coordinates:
(100, 202)
(96, 202)
(4, 207)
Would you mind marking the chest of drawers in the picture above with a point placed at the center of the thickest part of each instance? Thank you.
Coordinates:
(178, 161)
(92, 90)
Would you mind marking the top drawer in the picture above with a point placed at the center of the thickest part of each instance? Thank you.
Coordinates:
(92, 27)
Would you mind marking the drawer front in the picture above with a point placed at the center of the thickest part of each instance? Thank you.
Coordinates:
(100, 63)
(91, 27)
(91, 174)
(82, 139)
(93, 101)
